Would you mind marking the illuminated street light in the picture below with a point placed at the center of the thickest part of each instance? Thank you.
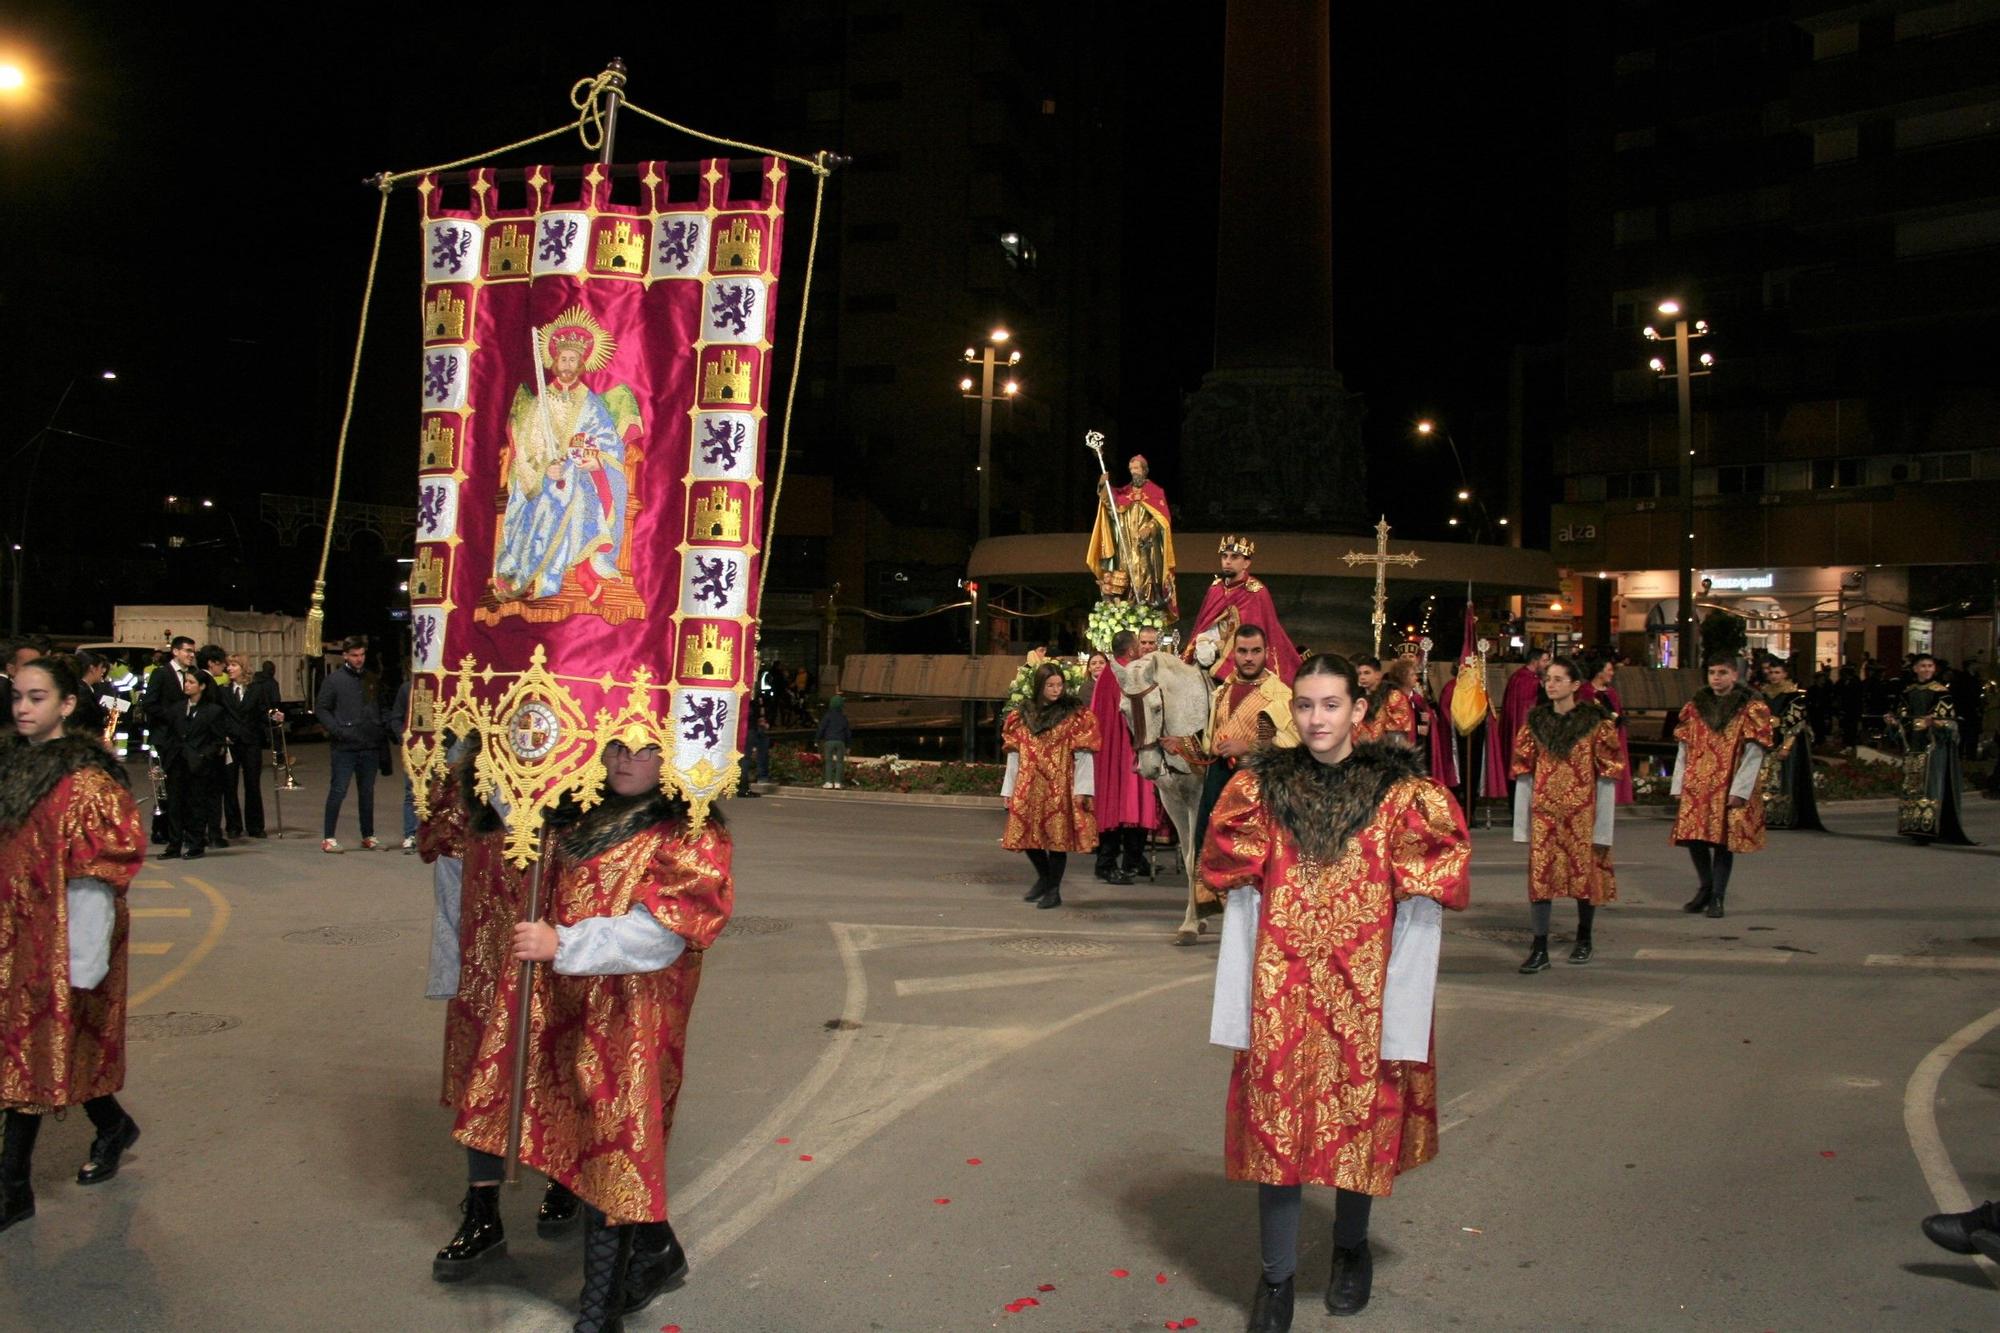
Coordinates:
(1683, 371)
(1426, 427)
(1013, 387)
(965, 384)
(12, 78)
(1465, 495)
(1000, 335)
(109, 375)
(988, 391)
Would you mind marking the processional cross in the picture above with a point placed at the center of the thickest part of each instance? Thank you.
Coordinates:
(1381, 559)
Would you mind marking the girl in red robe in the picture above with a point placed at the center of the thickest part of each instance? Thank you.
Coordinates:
(1599, 689)
(635, 895)
(1567, 759)
(1332, 1085)
(481, 896)
(70, 843)
(1051, 781)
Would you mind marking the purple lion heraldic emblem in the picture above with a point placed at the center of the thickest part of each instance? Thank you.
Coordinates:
(430, 507)
(677, 244)
(440, 373)
(722, 446)
(713, 579)
(424, 637)
(557, 237)
(704, 720)
(449, 247)
(734, 306)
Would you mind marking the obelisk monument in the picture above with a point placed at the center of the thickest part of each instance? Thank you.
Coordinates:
(1272, 439)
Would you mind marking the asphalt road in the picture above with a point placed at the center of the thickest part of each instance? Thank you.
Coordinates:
(913, 1101)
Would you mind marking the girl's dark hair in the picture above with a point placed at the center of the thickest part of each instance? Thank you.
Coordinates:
(64, 676)
(1042, 674)
(1570, 669)
(1331, 664)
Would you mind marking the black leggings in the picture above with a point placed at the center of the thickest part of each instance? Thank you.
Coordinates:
(22, 1127)
(1712, 863)
(1049, 865)
(1278, 1209)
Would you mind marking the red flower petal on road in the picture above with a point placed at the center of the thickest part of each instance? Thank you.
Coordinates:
(805, 1157)
(1160, 1278)
(972, 1161)
(940, 1201)
(1119, 1272)
(784, 1140)
(1173, 1323)
(1190, 1323)
(1826, 1153)
(670, 1328)
(1046, 1286)
(1029, 1300)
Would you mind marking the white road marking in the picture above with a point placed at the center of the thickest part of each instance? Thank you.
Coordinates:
(1957, 963)
(1612, 1017)
(902, 1066)
(1775, 956)
(1920, 1122)
(964, 981)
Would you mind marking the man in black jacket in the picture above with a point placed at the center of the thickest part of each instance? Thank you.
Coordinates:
(192, 737)
(353, 722)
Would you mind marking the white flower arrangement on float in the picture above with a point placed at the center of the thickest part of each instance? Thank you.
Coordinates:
(1110, 619)
(1076, 675)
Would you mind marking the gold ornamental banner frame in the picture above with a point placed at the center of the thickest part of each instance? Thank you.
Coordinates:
(574, 767)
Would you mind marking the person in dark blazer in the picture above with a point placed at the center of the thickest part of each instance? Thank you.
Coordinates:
(192, 743)
(249, 701)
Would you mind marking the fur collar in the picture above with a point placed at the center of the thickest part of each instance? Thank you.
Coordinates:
(616, 820)
(1717, 711)
(1323, 805)
(1558, 733)
(29, 772)
(1038, 717)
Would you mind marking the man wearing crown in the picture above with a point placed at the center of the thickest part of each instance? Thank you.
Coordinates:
(1145, 528)
(566, 477)
(1237, 599)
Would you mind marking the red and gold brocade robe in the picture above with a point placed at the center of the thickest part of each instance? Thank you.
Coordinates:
(1044, 812)
(605, 1053)
(1715, 729)
(64, 815)
(491, 899)
(1565, 755)
(1311, 1101)
(1396, 720)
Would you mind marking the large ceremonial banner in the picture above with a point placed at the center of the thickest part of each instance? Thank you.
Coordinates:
(591, 476)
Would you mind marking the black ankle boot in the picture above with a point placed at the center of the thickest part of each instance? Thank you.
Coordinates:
(1538, 957)
(17, 1202)
(1053, 898)
(1041, 887)
(558, 1212)
(1348, 1285)
(1271, 1312)
(1700, 900)
(480, 1236)
(607, 1254)
(658, 1263)
(1714, 910)
(1581, 953)
(105, 1150)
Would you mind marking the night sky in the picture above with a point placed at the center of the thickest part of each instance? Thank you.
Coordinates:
(197, 223)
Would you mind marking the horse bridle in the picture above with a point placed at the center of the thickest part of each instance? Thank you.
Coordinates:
(1171, 747)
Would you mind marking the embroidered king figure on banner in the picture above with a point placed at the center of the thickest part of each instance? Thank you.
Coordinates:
(571, 453)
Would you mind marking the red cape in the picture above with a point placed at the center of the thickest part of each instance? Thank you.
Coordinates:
(1253, 604)
(1524, 691)
(1123, 797)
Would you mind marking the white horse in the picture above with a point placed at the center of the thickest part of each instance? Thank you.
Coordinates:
(1166, 710)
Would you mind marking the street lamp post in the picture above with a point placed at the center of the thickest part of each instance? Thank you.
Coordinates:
(989, 363)
(1683, 372)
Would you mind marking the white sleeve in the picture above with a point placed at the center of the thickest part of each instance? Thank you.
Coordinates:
(1524, 798)
(1013, 771)
(448, 881)
(93, 910)
(604, 946)
(1235, 967)
(1085, 783)
(1607, 805)
(1747, 770)
(1680, 769)
(1409, 990)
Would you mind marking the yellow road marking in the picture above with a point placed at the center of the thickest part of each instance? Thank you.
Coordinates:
(153, 947)
(218, 923)
(163, 911)
(152, 884)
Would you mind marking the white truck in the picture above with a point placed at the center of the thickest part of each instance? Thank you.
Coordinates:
(261, 636)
